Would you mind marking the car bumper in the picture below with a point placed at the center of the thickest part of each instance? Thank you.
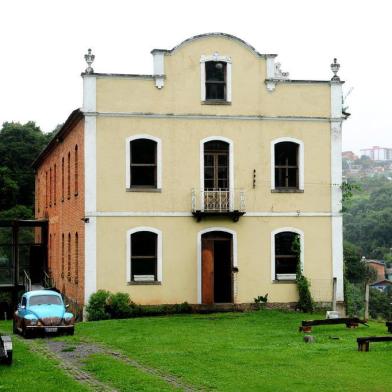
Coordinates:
(49, 328)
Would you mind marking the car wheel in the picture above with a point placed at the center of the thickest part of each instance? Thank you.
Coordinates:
(26, 333)
(8, 360)
(71, 332)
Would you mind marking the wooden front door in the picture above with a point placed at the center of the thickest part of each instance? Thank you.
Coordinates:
(216, 266)
(207, 268)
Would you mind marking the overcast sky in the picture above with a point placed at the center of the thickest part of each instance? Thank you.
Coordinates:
(42, 44)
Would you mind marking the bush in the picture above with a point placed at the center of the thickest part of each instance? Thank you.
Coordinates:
(380, 304)
(104, 305)
(305, 302)
(119, 305)
(354, 296)
(261, 301)
(97, 306)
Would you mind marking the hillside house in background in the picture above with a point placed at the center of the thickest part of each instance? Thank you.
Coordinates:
(192, 183)
(377, 153)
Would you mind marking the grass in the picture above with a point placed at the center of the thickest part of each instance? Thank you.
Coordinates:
(122, 376)
(32, 372)
(235, 352)
(250, 351)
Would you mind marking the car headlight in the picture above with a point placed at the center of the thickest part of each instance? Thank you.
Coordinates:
(32, 321)
(68, 320)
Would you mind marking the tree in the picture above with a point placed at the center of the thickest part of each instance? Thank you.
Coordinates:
(354, 268)
(20, 144)
(368, 218)
(8, 189)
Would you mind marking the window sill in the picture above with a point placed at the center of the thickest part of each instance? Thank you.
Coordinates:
(284, 281)
(216, 102)
(141, 189)
(144, 283)
(287, 190)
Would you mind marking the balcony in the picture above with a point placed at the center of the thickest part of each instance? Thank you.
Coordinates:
(218, 202)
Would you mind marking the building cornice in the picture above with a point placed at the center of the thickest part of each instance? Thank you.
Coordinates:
(181, 214)
(119, 76)
(199, 116)
(168, 52)
(59, 136)
(302, 81)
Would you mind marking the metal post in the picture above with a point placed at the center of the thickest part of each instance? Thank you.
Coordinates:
(367, 301)
(334, 284)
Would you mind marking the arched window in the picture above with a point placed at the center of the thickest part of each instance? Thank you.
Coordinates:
(50, 187)
(62, 179)
(76, 258)
(69, 176)
(55, 184)
(62, 255)
(144, 163)
(144, 255)
(216, 165)
(287, 166)
(50, 251)
(69, 258)
(287, 249)
(46, 189)
(76, 171)
(38, 198)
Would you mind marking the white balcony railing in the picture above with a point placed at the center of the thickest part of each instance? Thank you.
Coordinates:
(218, 200)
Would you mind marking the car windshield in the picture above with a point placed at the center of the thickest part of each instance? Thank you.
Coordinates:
(45, 300)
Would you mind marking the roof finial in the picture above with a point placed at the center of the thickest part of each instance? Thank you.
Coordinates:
(335, 69)
(89, 57)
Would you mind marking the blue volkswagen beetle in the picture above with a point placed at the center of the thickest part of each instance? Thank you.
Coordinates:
(42, 311)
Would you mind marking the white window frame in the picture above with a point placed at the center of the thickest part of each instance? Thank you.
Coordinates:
(231, 167)
(302, 245)
(301, 160)
(128, 263)
(199, 255)
(215, 57)
(128, 140)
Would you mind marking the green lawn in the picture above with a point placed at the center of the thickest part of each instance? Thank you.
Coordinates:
(258, 351)
(32, 372)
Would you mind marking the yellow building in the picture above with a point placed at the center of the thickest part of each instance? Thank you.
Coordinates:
(198, 178)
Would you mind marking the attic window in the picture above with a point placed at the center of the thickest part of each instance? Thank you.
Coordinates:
(215, 80)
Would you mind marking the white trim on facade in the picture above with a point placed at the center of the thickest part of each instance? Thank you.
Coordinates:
(302, 244)
(198, 116)
(128, 158)
(159, 69)
(90, 186)
(301, 159)
(199, 251)
(336, 191)
(215, 57)
(180, 214)
(129, 250)
(231, 165)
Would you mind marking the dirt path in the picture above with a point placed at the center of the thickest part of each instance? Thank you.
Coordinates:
(70, 356)
(72, 368)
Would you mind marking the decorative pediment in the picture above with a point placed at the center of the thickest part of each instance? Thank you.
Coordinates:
(215, 57)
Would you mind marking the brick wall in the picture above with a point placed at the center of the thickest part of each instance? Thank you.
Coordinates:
(60, 199)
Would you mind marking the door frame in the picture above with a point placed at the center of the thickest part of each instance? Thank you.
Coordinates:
(199, 258)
